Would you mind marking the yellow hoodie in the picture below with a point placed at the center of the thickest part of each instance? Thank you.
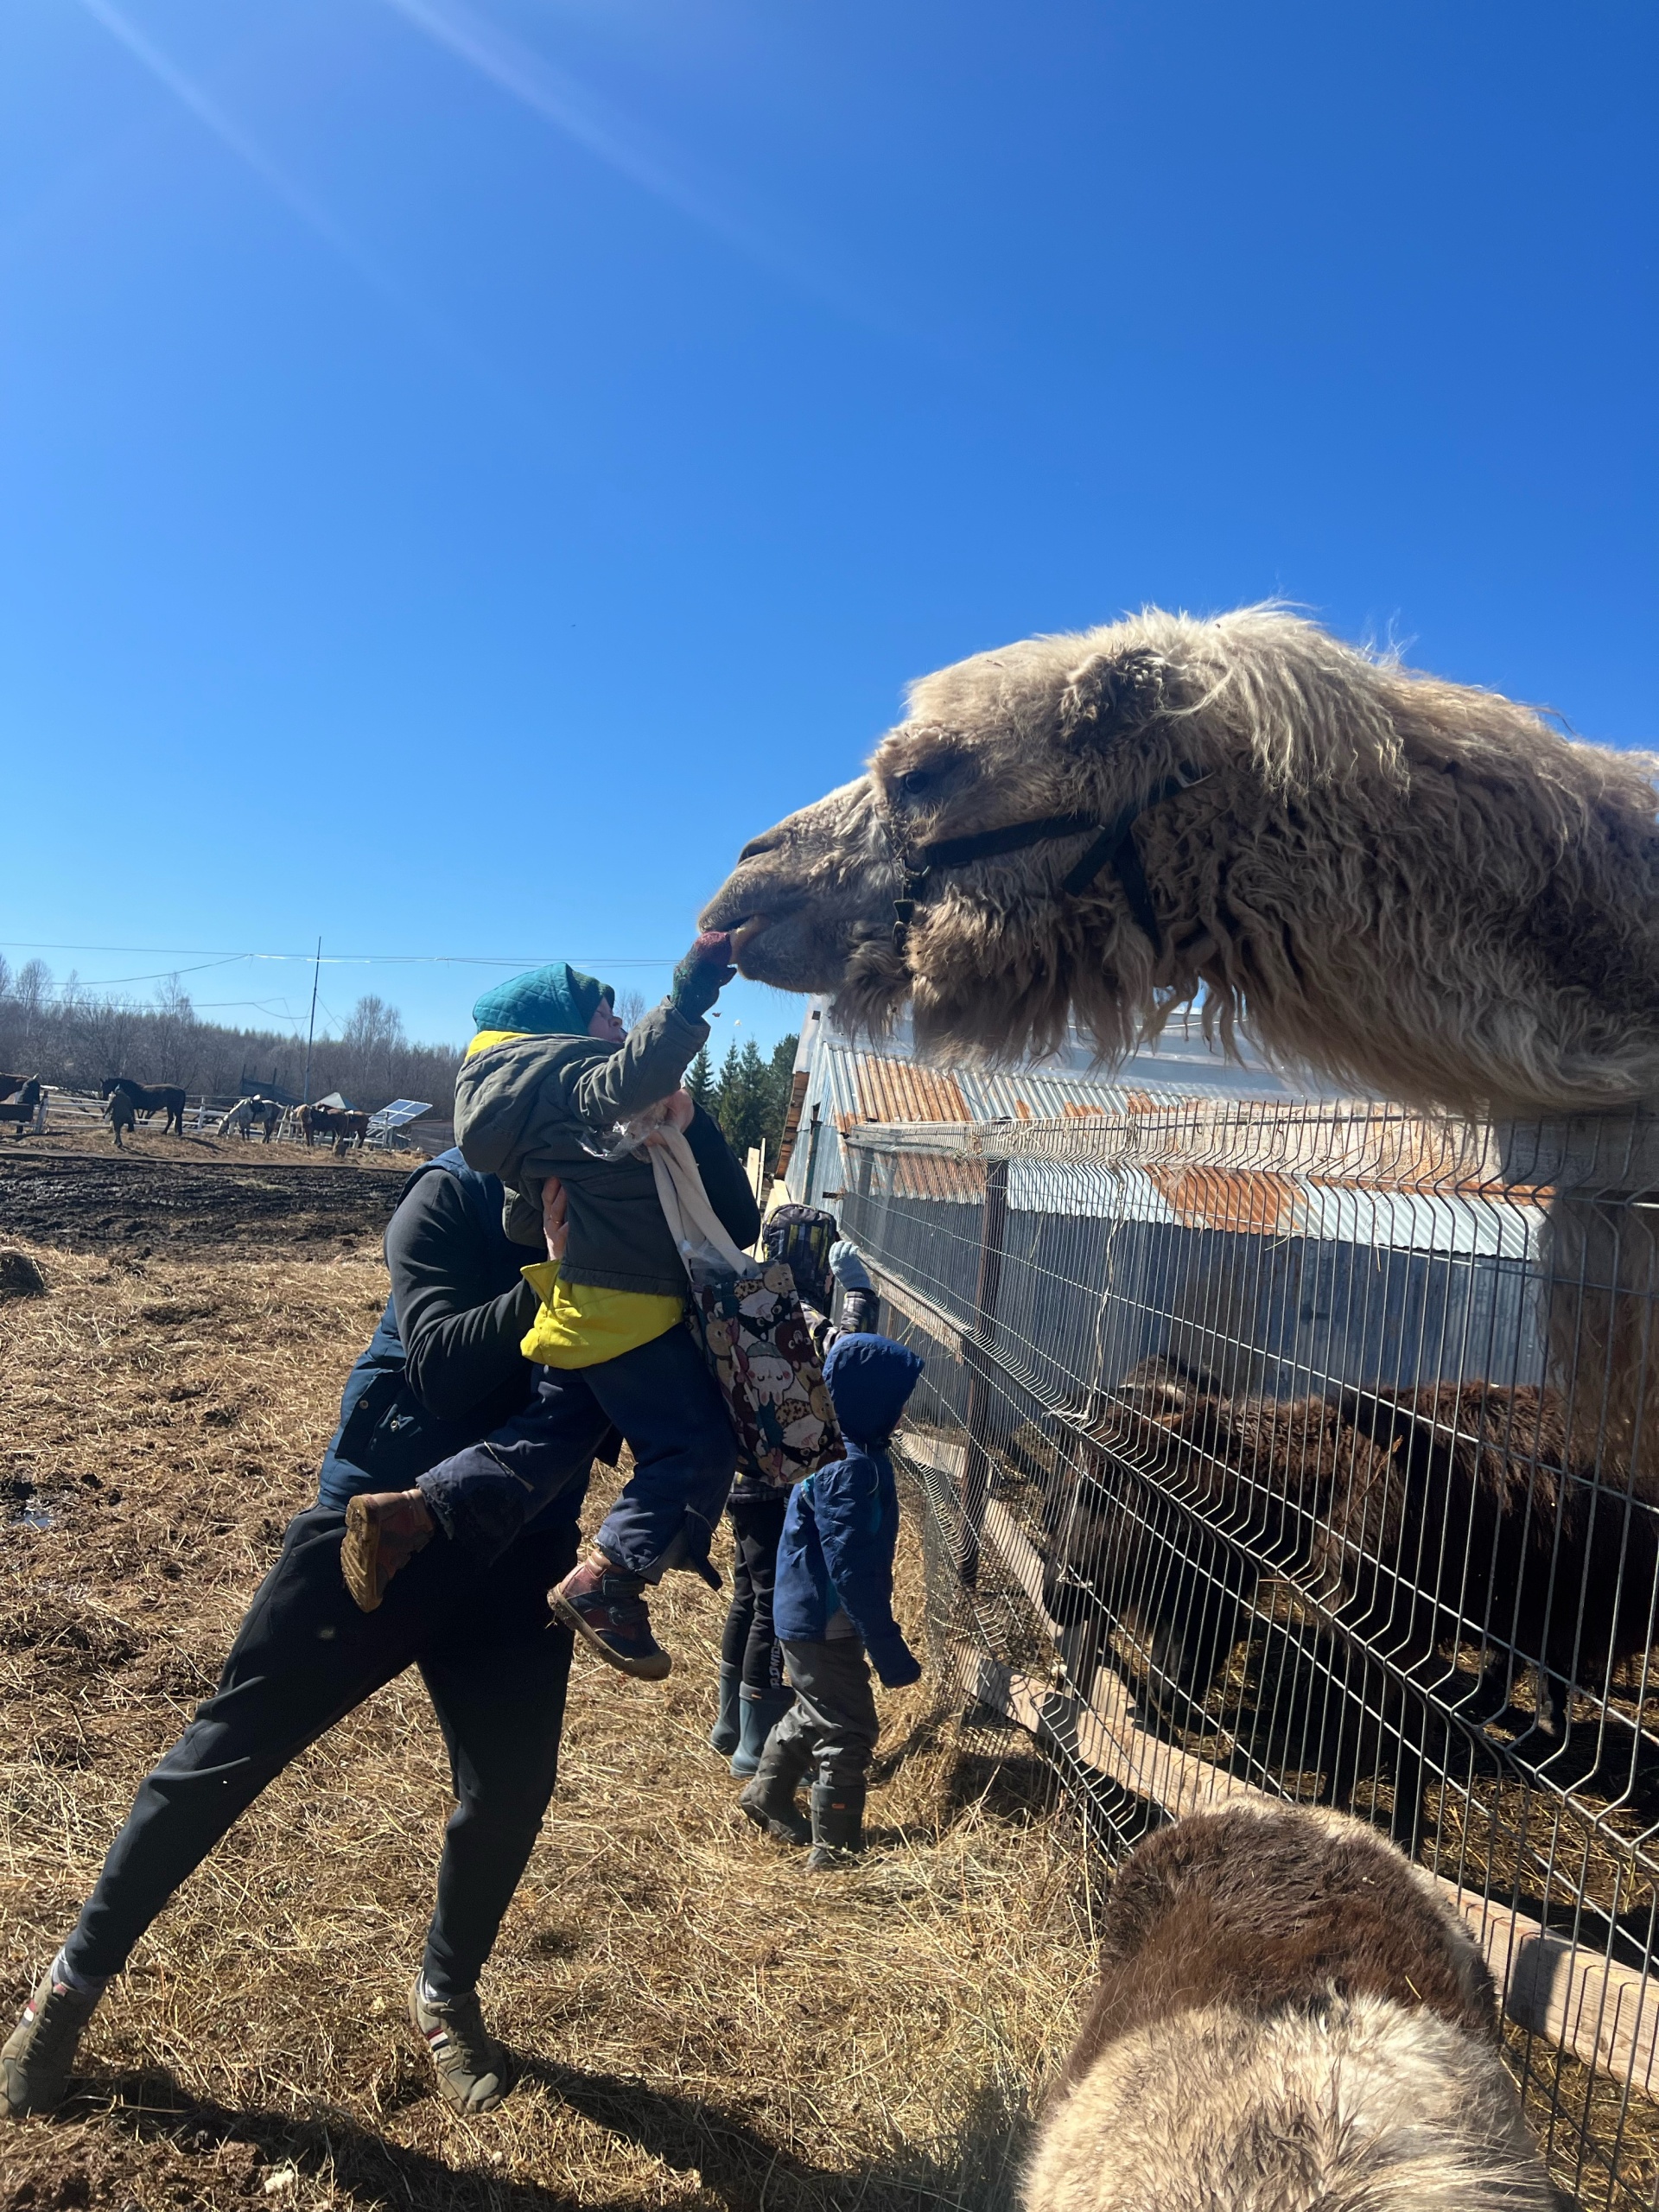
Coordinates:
(579, 1323)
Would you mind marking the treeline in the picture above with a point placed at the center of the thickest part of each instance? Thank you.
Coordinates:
(750, 1095)
(67, 1034)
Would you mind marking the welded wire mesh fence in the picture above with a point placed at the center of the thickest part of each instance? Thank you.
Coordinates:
(1303, 1450)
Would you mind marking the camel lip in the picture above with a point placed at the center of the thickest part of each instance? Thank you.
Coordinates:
(744, 935)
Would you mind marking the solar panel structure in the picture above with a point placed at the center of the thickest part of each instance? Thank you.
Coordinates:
(395, 1117)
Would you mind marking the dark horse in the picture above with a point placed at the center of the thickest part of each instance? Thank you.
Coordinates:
(149, 1098)
(23, 1091)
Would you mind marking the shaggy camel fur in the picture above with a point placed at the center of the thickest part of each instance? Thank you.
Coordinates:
(1289, 2014)
(1416, 887)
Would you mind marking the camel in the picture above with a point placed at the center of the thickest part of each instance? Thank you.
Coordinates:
(1417, 888)
(1288, 2013)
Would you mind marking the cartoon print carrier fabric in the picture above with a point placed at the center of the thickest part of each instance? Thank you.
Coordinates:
(747, 1317)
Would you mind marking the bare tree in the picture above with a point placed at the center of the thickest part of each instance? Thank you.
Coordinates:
(172, 1029)
(630, 1005)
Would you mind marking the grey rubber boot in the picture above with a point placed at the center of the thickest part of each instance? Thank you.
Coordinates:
(769, 1801)
(760, 1712)
(38, 2054)
(724, 1735)
(837, 1825)
(473, 2067)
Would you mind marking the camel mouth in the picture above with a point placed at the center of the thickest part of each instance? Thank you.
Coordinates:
(746, 933)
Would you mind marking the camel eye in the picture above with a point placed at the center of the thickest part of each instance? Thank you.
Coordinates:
(916, 783)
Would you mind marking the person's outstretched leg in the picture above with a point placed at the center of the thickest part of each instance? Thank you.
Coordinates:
(671, 1412)
(303, 1658)
(498, 1678)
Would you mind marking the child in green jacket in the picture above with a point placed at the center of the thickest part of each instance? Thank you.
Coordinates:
(538, 1101)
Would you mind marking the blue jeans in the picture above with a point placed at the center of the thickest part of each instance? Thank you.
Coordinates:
(669, 1410)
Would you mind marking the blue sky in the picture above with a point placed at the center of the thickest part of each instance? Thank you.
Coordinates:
(466, 465)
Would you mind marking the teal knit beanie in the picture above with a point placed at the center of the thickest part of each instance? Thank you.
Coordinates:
(557, 1001)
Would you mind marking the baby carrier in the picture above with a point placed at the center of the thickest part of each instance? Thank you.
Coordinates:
(799, 1238)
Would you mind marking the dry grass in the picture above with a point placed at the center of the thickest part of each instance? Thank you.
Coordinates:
(700, 2025)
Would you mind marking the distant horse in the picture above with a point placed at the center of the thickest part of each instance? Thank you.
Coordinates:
(22, 1109)
(343, 1127)
(166, 1099)
(246, 1111)
(119, 1109)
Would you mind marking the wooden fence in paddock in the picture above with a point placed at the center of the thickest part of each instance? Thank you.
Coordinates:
(1301, 1451)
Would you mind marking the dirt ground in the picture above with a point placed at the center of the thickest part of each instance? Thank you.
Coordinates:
(69, 1186)
(697, 2023)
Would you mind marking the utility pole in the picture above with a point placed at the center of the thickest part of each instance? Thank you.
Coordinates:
(315, 973)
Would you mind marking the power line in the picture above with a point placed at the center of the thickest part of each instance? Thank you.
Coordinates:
(342, 959)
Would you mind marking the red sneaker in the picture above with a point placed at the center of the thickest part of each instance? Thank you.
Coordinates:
(605, 1607)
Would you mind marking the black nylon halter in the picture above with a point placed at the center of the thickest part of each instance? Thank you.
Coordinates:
(1115, 848)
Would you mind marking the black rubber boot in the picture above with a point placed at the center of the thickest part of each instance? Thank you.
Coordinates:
(723, 1736)
(760, 1712)
(837, 1825)
(769, 1799)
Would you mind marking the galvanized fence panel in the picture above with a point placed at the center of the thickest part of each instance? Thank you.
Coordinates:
(1304, 1450)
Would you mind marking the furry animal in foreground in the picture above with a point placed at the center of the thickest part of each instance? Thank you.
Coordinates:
(1290, 2017)
(1418, 887)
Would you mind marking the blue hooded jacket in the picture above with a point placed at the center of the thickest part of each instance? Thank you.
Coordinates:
(842, 1528)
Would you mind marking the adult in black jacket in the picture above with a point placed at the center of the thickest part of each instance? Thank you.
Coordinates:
(443, 1369)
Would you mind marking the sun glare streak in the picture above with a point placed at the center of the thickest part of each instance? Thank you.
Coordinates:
(584, 118)
(232, 136)
(316, 217)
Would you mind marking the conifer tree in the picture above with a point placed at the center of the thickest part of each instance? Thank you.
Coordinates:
(700, 1082)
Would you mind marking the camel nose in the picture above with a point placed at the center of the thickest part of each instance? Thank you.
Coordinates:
(759, 846)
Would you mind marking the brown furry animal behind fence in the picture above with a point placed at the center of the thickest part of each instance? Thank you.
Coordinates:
(1289, 2014)
(1415, 886)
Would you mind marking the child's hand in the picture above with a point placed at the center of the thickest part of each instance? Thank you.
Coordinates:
(681, 1107)
(556, 1222)
(895, 1664)
(702, 975)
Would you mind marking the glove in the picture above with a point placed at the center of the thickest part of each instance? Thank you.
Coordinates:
(702, 975)
(848, 1269)
(896, 1664)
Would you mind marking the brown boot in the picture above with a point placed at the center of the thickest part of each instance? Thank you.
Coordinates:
(385, 1529)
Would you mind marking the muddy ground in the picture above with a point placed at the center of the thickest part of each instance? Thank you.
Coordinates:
(71, 1188)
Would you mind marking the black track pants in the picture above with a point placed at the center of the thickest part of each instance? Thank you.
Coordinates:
(748, 1643)
(304, 1658)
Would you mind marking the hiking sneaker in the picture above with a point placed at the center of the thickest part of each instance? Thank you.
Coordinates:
(473, 2069)
(37, 2056)
(385, 1529)
(604, 1606)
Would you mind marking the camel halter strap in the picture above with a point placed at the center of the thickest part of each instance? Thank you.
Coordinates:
(1115, 848)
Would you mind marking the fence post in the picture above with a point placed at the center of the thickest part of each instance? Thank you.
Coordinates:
(976, 1466)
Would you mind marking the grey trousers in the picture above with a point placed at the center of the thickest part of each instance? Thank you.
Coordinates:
(833, 1716)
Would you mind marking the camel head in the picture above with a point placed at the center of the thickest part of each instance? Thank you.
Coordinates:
(1417, 886)
(995, 955)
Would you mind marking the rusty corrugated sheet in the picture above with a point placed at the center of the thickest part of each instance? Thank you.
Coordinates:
(1213, 1198)
(900, 1090)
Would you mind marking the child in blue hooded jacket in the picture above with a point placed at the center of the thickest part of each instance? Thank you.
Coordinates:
(832, 1611)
